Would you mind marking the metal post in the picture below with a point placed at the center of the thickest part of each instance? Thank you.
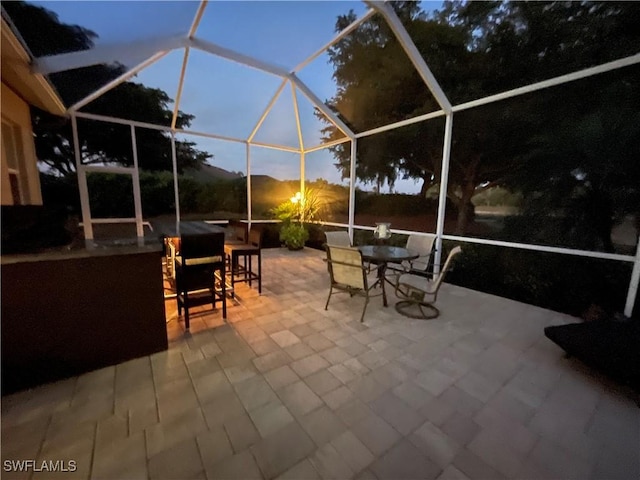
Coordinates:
(442, 197)
(82, 185)
(302, 173)
(135, 176)
(176, 104)
(352, 187)
(249, 183)
(633, 284)
(176, 191)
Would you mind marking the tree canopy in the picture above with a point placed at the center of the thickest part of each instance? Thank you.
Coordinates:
(100, 142)
(475, 49)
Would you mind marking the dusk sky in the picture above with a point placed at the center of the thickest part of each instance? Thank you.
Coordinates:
(228, 98)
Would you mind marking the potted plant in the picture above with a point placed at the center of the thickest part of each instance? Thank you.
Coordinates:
(294, 236)
(302, 207)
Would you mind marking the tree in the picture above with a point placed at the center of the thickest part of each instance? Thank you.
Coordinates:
(474, 49)
(100, 142)
(588, 174)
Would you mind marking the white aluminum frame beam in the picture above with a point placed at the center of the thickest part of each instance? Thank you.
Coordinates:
(302, 174)
(248, 165)
(322, 146)
(300, 141)
(135, 176)
(632, 292)
(264, 115)
(114, 83)
(542, 248)
(106, 54)
(208, 135)
(183, 72)
(120, 121)
(85, 207)
(108, 169)
(197, 18)
(320, 105)
(176, 191)
(412, 52)
(444, 184)
(352, 186)
(350, 28)
(237, 57)
(401, 123)
(297, 115)
(282, 148)
(551, 82)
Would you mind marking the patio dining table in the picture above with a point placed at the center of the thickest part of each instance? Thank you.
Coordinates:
(381, 255)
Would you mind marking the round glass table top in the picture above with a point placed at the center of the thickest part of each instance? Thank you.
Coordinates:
(386, 253)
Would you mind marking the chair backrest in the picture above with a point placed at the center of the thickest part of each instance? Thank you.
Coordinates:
(423, 246)
(255, 237)
(202, 245)
(345, 266)
(239, 229)
(339, 238)
(438, 280)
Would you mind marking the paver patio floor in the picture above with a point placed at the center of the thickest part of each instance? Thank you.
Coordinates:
(286, 389)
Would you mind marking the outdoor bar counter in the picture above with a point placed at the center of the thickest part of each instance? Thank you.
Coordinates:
(66, 312)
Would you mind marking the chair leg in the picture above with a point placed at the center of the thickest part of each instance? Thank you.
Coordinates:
(213, 289)
(234, 268)
(186, 310)
(223, 285)
(326, 307)
(366, 302)
(259, 272)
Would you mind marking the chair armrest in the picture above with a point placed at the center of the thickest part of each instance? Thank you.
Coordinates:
(361, 267)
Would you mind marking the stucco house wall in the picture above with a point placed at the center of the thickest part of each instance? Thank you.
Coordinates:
(16, 123)
(21, 87)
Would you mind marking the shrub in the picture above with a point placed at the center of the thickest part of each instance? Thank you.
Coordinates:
(294, 235)
(559, 282)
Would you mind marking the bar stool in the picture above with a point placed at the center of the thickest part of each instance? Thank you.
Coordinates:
(201, 259)
(244, 272)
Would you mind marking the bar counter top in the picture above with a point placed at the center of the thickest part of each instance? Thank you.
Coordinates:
(127, 246)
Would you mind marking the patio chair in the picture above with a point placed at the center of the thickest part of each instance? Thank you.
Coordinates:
(348, 274)
(419, 293)
(201, 257)
(339, 239)
(244, 272)
(420, 244)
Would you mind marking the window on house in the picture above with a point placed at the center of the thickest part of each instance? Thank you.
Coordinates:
(12, 146)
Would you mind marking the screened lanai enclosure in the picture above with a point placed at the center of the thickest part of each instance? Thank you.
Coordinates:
(512, 129)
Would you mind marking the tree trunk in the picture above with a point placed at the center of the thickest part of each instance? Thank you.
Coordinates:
(423, 189)
(601, 212)
(465, 208)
